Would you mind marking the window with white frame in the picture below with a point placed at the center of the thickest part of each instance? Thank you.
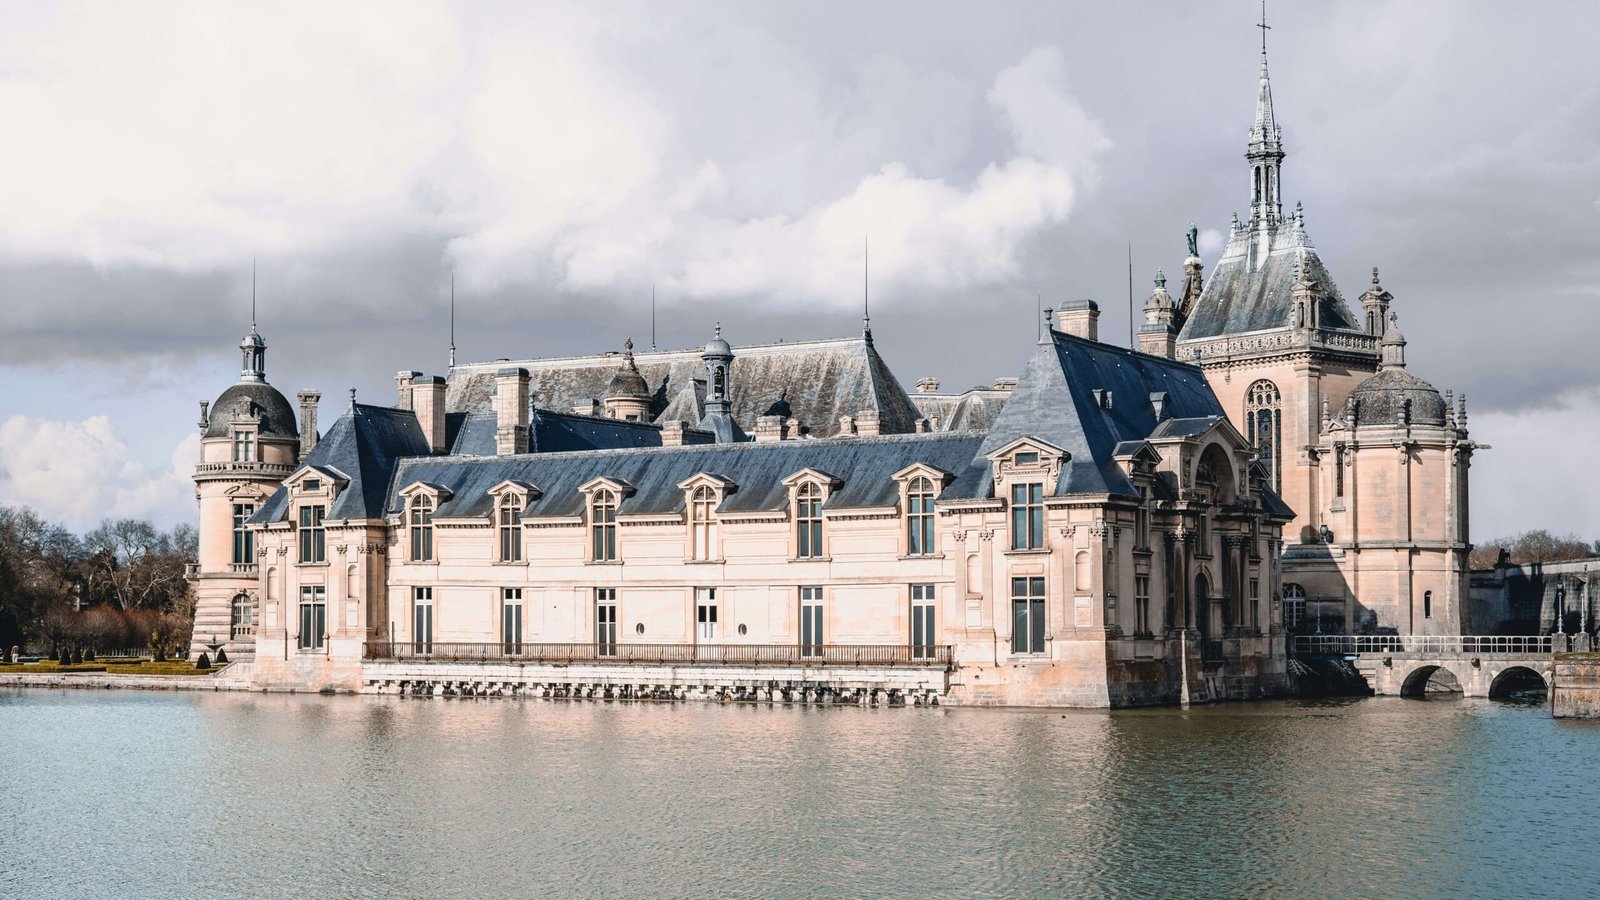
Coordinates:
(509, 526)
(421, 528)
(243, 615)
(923, 621)
(1027, 516)
(313, 616)
(705, 614)
(919, 516)
(313, 537)
(244, 540)
(1294, 605)
(1027, 614)
(511, 619)
(703, 523)
(603, 525)
(808, 521)
(244, 446)
(422, 621)
(605, 621)
(811, 621)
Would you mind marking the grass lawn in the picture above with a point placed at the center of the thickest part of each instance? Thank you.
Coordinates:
(110, 667)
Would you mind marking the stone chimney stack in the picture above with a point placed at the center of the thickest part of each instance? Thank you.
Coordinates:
(867, 423)
(589, 407)
(511, 411)
(308, 421)
(927, 385)
(672, 432)
(771, 428)
(427, 401)
(402, 383)
(1080, 318)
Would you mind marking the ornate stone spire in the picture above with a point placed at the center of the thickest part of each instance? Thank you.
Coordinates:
(1393, 345)
(1265, 152)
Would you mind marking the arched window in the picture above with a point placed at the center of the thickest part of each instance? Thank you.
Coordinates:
(421, 528)
(919, 517)
(808, 521)
(243, 615)
(703, 523)
(510, 528)
(1263, 413)
(1294, 605)
(603, 525)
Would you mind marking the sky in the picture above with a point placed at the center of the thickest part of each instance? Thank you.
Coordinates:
(560, 160)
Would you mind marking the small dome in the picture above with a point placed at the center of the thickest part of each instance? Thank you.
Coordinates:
(1381, 400)
(253, 340)
(277, 416)
(627, 384)
(718, 346)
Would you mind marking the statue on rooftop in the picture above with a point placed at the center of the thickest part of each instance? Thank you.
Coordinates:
(1194, 237)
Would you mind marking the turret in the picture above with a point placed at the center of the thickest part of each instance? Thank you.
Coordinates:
(628, 395)
(1375, 307)
(1159, 334)
(718, 419)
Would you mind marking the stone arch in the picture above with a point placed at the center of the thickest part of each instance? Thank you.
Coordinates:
(1441, 679)
(1515, 679)
(1214, 467)
(1202, 605)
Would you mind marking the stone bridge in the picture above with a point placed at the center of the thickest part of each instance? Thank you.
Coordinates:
(1407, 665)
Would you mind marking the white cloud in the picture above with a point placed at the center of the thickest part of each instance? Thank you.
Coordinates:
(78, 473)
(1539, 470)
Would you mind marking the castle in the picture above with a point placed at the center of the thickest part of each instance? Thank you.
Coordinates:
(1115, 527)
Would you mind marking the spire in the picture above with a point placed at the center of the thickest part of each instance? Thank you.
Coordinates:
(1266, 125)
(1393, 345)
(866, 305)
(1265, 151)
(452, 318)
(253, 349)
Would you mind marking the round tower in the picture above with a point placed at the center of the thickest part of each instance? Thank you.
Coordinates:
(627, 397)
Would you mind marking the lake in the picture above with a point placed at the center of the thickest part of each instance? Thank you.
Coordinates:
(131, 794)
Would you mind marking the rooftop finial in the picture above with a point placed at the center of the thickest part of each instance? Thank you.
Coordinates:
(1161, 279)
(252, 294)
(452, 318)
(652, 316)
(1375, 278)
(866, 296)
(1264, 29)
(352, 399)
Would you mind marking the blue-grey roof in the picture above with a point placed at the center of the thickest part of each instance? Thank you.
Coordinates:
(865, 467)
(1247, 294)
(252, 397)
(1056, 401)
(473, 434)
(364, 444)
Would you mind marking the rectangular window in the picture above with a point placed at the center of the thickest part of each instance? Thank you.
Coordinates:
(1255, 602)
(511, 619)
(1026, 458)
(1141, 605)
(422, 528)
(311, 484)
(811, 621)
(510, 527)
(923, 635)
(808, 521)
(422, 621)
(244, 446)
(244, 540)
(605, 621)
(313, 538)
(603, 526)
(919, 518)
(705, 614)
(1141, 522)
(1027, 516)
(313, 616)
(1027, 615)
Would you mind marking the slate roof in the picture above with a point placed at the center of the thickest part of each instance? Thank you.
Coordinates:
(1382, 399)
(820, 380)
(1055, 401)
(364, 444)
(1246, 293)
(277, 416)
(865, 467)
(973, 410)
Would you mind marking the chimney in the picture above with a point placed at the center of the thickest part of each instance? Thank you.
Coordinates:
(847, 424)
(1005, 384)
(402, 383)
(590, 407)
(927, 385)
(427, 400)
(308, 421)
(770, 428)
(511, 411)
(672, 432)
(1080, 318)
(867, 423)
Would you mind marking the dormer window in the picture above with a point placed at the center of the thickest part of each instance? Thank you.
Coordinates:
(703, 523)
(919, 516)
(1027, 516)
(1026, 458)
(421, 525)
(508, 524)
(603, 525)
(313, 537)
(311, 484)
(808, 521)
(244, 446)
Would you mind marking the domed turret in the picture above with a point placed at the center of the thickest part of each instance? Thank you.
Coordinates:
(628, 394)
(1395, 396)
(252, 397)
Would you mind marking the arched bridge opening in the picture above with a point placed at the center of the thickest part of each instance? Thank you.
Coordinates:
(1431, 681)
(1518, 683)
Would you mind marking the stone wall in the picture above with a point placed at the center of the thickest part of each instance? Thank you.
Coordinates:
(1575, 689)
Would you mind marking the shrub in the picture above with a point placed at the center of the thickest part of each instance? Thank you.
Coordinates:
(88, 655)
(66, 656)
(222, 656)
(77, 655)
(204, 662)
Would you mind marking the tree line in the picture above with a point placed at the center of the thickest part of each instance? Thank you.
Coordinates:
(1537, 546)
(120, 585)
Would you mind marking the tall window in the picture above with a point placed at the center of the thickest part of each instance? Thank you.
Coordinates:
(313, 537)
(244, 446)
(703, 523)
(1264, 422)
(922, 621)
(1141, 605)
(1427, 604)
(919, 517)
(313, 616)
(705, 614)
(605, 621)
(421, 528)
(808, 521)
(1294, 605)
(1027, 615)
(1141, 521)
(510, 528)
(511, 619)
(811, 621)
(603, 525)
(244, 541)
(422, 620)
(1338, 470)
(243, 615)
(1027, 516)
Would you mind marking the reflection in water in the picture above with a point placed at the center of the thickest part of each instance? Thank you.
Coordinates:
(127, 794)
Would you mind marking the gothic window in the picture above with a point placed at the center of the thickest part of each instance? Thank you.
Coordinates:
(244, 541)
(703, 523)
(1264, 422)
(421, 528)
(313, 537)
(1027, 516)
(919, 517)
(510, 528)
(808, 521)
(603, 525)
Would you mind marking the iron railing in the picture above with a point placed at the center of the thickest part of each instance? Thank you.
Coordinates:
(667, 654)
(1421, 644)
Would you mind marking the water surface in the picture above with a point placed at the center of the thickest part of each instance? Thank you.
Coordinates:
(131, 794)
